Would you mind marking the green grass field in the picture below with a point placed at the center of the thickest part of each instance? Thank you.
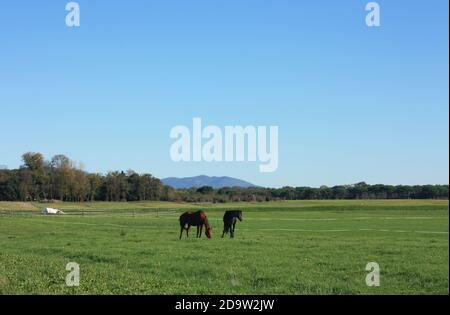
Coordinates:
(301, 247)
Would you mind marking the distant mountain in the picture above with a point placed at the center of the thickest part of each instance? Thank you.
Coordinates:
(200, 181)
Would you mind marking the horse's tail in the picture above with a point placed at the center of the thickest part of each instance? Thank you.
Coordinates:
(182, 219)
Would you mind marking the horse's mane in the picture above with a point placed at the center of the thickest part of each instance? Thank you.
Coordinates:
(207, 223)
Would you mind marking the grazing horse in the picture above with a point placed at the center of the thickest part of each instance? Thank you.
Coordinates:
(197, 219)
(229, 221)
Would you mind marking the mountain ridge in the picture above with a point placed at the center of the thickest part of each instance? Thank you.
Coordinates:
(203, 180)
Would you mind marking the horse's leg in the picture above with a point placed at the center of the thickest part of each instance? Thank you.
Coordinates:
(227, 229)
(187, 230)
(181, 233)
(201, 231)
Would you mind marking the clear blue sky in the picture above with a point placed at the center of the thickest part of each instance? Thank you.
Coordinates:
(352, 103)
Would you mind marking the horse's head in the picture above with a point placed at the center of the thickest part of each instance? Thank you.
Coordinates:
(208, 231)
(240, 216)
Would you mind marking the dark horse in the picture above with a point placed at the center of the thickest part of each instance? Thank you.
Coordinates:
(229, 222)
(197, 219)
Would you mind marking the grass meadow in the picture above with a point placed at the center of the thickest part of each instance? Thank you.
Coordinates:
(298, 247)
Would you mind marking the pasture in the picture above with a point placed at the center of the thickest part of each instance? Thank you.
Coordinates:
(299, 247)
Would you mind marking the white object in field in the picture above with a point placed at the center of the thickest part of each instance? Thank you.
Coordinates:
(52, 211)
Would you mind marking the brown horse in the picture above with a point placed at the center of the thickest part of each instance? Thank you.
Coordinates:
(197, 219)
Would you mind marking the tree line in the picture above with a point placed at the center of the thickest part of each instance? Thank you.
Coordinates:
(60, 179)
